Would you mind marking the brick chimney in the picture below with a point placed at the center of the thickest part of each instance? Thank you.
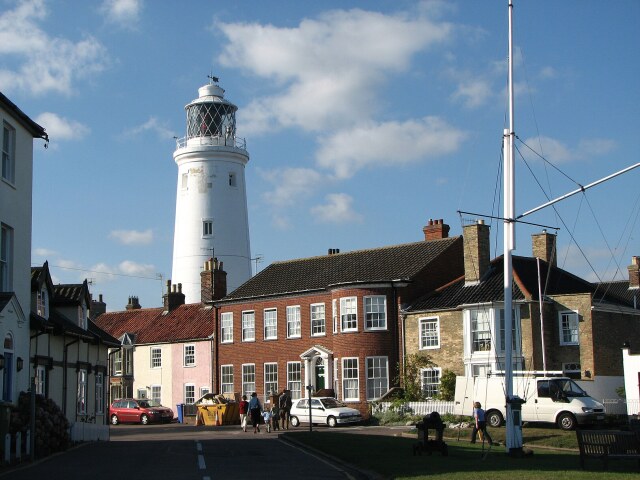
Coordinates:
(634, 273)
(544, 247)
(133, 304)
(173, 298)
(435, 230)
(98, 307)
(476, 251)
(213, 281)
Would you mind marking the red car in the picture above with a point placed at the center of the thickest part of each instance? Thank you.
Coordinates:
(138, 411)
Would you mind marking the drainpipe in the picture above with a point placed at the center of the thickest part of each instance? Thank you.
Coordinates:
(64, 375)
(214, 351)
(399, 319)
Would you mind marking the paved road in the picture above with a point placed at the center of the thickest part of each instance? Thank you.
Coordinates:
(187, 453)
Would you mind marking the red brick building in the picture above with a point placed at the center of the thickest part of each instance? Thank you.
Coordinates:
(328, 323)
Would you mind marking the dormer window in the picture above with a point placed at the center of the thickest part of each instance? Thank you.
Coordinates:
(82, 315)
(42, 303)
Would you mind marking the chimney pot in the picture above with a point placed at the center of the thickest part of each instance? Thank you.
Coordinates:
(435, 230)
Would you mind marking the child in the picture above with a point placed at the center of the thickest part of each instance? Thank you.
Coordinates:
(275, 416)
(480, 424)
(267, 419)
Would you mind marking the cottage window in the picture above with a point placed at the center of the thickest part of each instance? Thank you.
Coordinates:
(8, 152)
(41, 380)
(348, 314)
(226, 374)
(430, 381)
(569, 323)
(99, 393)
(226, 325)
(480, 331)
(317, 319)
(429, 333)
(6, 256)
(248, 326)
(42, 303)
(350, 379)
(156, 393)
(156, 358)
(270, 324)
(81, 397)
(270, 380)
(189, 394)
(117, 362)
(515, 330)
(189, 355)
(334, 315)
(248, 379)
(375, 312)
(377, 377)
(293, 322)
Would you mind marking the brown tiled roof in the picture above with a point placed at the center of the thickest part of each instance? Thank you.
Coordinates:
(153, 325)
(398, 262)
(491, 289)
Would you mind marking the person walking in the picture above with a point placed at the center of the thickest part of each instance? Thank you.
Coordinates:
(480, 424)
(255, 410)
(284, 402)
(275, 416)
(243, 408)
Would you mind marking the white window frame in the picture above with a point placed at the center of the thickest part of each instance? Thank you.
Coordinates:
(423, 384)
(156, 393)
(8, 166)
(334, 314)
(380, 322)
(118, 360)
(573, 330)
(249, 326)
(189, 355)
(515, 330)
(270, 318)
(294, 325)
(99, 390)
(349, 307)
(189, 393)
(318, 319)
(142, 393)
(156, 357)
(226, 327)
(481, 339)
(427, 335)
(6, 258)
(270, 379)
(248, 378)
(204, 391)
(207, 227)
(226, 378)
(348, 368)
(81, 397)
(294, 379)
(41, 379)
(377, 377)
(42, 302)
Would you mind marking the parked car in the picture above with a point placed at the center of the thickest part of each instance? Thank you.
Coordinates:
(325, 410)
(131, 410)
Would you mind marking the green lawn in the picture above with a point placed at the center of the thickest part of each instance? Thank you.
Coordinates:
(392, 458)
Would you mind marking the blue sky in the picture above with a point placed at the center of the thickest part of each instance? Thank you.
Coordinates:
(363, 120)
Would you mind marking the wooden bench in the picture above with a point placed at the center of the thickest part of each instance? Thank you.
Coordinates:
(607, 444)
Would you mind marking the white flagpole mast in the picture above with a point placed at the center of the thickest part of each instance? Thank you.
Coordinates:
(514, 430)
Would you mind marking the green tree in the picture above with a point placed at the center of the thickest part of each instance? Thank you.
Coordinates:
(447, 386)
(410, 377)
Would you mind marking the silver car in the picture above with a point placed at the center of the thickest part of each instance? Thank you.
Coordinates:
(324, 410)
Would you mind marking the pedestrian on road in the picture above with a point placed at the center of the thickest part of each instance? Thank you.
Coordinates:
(255, 410)
(284, 403)
(480, 424)
(243, 407)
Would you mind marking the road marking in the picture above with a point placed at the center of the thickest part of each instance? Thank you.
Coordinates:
(335, 467)
(198, 446)
(201, 463)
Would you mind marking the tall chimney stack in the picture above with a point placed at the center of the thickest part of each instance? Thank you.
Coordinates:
(634, 273)
(213, 281)
(435, 230)
(476, 251)
(544, 247)
(173, 298)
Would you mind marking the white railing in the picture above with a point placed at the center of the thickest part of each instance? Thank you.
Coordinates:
(616, 406)
(216, 141)
(420, 408)
(89, 432)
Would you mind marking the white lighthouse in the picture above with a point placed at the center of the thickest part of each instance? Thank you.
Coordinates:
(211, 199)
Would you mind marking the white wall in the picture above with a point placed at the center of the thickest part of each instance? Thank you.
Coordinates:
(631, 363)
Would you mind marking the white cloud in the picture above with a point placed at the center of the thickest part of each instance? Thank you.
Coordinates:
(60, 128)
(348, 151)
(44, 252)
(556, 151)
(337, 209)
(102, 272)
(132, 237)
(129, 267)
(290, 185)
(473, 93)
(327, 69)
(39, 62)
(125, 13)
(152, 125)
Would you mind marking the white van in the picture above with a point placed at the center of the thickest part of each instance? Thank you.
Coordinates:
(556, 400)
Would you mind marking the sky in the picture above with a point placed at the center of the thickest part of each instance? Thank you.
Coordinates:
(363, 120)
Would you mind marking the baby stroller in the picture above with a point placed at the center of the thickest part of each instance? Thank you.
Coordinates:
(425, 444)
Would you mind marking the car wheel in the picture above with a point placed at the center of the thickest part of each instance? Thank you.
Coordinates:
(566, 421)
(332, 422)
(294, 422)
(494, 418)
(114, 420)
(144, 419)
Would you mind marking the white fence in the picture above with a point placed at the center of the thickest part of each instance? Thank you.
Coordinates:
(420, 408)
(89, 432)
(618, 406)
